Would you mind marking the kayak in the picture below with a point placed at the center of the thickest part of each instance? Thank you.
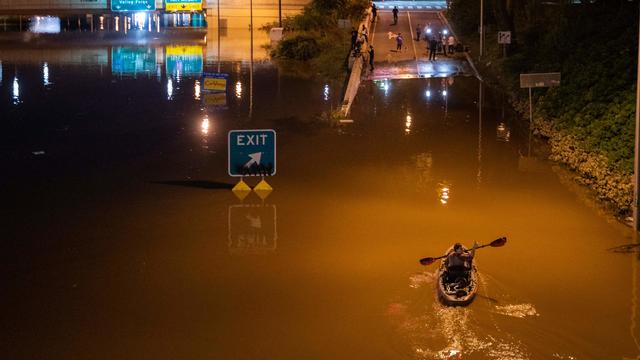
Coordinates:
(459, 288)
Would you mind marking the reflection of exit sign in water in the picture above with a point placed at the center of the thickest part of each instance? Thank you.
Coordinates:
(133, 5)
(252, 229)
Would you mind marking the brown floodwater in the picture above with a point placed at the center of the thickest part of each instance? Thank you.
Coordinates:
(121, 238)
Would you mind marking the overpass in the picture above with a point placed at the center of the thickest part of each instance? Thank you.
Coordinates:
(67, 7)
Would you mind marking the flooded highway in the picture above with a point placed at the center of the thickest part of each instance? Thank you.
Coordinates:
(121, 238)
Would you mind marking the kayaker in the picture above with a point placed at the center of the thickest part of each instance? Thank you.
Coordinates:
(460, 259)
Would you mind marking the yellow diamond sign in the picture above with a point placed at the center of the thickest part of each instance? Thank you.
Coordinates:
(263, 189)
(241, 190)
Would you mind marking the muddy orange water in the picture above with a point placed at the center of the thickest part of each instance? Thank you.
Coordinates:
(121, 238)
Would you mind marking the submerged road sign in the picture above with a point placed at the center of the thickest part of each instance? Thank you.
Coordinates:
(215, 81)
(252, 152)
(539, 80)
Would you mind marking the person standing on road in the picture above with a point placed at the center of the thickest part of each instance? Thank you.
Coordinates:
(452, 43)
(418, 32)
(433, 47)
(365, 33)
(443, 42)
(395, 15)
(354, 38)
(399, 41)
(374, 12)
(371, 53)
(358, 48)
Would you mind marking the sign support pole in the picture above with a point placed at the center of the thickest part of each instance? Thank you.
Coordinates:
(530, 120)
(530, 81)
(481, 27)
(636, 165)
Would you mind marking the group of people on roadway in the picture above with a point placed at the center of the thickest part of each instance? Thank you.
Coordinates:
(440, 42)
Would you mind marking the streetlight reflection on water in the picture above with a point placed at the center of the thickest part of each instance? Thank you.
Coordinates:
(407, 125)
(169, 89)
(503, 133)
(444, 191)
(204, 125)
(196, 90)
(16, 91)
(238, 90)
(383, 85)
(45, 74)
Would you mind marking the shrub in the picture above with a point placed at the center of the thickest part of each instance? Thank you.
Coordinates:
(299, 47)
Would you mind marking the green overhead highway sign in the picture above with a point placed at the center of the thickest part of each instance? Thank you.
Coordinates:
(133, 5)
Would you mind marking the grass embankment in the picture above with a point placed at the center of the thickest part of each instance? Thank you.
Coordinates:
(314, 44)
(589, 120)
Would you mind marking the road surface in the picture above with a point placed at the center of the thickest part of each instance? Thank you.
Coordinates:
(412, 60)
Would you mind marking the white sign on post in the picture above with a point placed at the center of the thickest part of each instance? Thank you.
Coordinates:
(504, 37)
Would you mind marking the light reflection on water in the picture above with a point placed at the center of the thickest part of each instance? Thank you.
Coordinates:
(238, 90)
(15, 94)
(196, 90)
(204, 126)
(45, 25)
(169, 89)
(439, 332)
(45, 74)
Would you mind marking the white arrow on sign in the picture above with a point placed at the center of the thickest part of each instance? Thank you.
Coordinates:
(255, 159)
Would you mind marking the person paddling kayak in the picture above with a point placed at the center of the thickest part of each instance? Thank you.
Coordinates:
(457, 275)
(459, 259)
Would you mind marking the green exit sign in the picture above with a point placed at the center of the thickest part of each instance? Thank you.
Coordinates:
(133, 5)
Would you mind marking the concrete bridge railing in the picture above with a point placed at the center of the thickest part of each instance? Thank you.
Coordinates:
(356, 72)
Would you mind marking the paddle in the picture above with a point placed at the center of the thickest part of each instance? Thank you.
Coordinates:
(495, 243)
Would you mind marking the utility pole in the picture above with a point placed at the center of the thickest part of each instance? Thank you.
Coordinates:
(280, 12)
(636, 177)
(481, 28)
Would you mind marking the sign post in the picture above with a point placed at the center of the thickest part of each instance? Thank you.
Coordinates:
(214, 87)
(534, 81)
(504, 38)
